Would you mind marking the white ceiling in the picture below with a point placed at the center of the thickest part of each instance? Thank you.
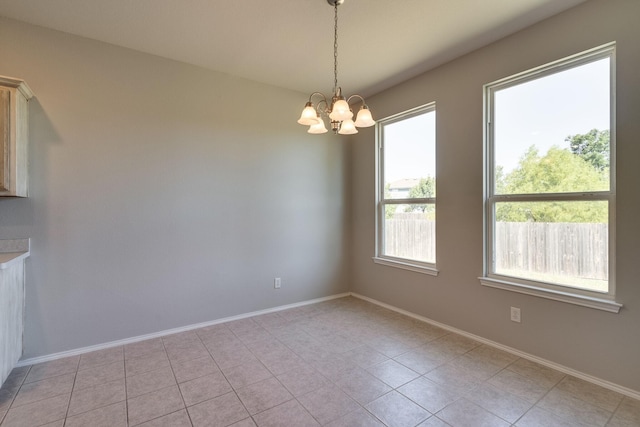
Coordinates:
(289, 43)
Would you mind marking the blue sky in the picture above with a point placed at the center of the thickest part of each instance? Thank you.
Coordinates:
(540, 112)
(410, 148)
(543, 112)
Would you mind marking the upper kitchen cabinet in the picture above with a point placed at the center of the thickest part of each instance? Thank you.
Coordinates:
(14, 135)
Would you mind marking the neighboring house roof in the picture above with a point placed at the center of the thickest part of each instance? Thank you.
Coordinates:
(403, 184)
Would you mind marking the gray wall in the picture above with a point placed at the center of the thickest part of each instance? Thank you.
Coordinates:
(164, 195)
(598, 343)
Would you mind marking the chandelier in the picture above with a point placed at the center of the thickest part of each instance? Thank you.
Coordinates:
(338, 111)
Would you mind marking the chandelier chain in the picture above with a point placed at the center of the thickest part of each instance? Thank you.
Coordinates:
(336, 107)
(335, 49)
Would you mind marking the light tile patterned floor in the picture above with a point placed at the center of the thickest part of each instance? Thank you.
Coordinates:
(344, 362)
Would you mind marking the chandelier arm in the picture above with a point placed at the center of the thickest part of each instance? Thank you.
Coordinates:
(318, 93)
(326, 105)
(357, 96)
(335, 48)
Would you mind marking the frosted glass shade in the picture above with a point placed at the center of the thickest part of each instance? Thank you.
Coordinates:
(364, 119)
(347, 128)
(340, 111)
(308, 116)
(317, 126)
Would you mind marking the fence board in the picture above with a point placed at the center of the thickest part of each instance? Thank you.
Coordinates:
(566, 249)
(411, 238)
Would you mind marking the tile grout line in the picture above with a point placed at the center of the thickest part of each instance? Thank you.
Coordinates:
(318, 324)
(126, 393)
(463, 396)
(277, 379)
(173, 372)
(456, 357)
(21, 383)
(506, 368)
(334, 384)
(217, 366)
(613, 414)
(75, 377)
(633, 394)
(283, 386)
(226, 379)
(126, 400)
(535, 405)
(272, 374)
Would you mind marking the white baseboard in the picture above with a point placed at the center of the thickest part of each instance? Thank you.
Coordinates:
(78, 351)
(603, 383)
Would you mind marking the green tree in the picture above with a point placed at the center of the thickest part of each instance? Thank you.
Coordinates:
(558, 171)
(389, 210)
(499, 180)
(592, 146)
(424, 189)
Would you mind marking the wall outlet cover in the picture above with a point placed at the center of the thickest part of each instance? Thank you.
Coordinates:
(515, 314)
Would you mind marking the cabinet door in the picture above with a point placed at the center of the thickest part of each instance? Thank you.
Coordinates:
(14, 129)
(5, 138)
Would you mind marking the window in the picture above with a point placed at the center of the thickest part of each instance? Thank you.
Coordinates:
(550, 181)
(406, 215)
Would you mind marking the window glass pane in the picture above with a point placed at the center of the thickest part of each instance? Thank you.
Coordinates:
(410, 232)
(551, 134)
(409, 157)
(564, 243)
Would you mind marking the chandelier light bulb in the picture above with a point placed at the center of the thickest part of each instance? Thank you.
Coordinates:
(340, 111)
(347, 127)
(318, 126)
(364, 118)
(308, 116)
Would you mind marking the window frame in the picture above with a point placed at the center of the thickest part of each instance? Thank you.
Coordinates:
(380, 258)
(599, 300)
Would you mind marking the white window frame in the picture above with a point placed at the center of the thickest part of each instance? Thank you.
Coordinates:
(381, 202)
(592, 299)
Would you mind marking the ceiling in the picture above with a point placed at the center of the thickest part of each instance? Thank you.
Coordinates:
(289, 43)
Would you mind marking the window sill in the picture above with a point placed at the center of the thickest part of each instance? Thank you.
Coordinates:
(406, 265)
(583, 300)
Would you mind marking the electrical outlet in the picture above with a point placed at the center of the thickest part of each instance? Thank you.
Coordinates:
(515, 314)
(277, 282)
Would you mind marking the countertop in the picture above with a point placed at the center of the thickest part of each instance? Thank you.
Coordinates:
(13, 251)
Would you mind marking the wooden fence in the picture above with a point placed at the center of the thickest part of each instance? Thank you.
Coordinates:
(410, 236)
(564, 249)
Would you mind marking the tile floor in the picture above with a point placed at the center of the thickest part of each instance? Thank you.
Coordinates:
(344, 362)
